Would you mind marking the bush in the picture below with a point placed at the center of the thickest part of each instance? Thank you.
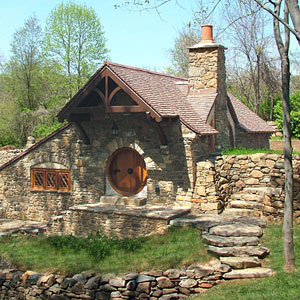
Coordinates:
(97, 245)
(295, 114)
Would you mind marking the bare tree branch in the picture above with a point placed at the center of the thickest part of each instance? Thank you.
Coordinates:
(282, 21)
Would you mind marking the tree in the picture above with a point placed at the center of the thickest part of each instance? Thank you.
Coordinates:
(21, 79)
(180, 53)
(74, 39)
(294, 12)
(291, 9)
(283, 48)
(25, 62)
(252, 72)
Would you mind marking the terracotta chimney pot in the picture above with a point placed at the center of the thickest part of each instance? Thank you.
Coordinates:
(207, 34)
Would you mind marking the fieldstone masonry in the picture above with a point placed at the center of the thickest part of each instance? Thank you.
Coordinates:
(167, 285)
(160, 285)
(246, 185)
(207, 71)
(243, 184)
(170, 167)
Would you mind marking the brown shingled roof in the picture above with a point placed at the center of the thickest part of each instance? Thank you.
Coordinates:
(161, 93)
(247, 119)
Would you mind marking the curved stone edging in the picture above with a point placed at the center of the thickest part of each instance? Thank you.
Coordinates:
(163, 285)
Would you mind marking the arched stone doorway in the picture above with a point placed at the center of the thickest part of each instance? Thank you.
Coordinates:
(126, 171)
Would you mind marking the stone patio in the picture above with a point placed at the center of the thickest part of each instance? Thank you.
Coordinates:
(8, 227)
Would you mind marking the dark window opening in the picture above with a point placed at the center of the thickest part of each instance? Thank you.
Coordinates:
(111, 85)
(92, 99)
(122, 99)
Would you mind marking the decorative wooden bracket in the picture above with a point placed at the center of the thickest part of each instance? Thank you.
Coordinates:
(162, 136)
(83, 133)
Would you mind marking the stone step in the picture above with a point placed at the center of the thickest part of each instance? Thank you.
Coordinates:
(239, 251)
(241, 262)
(249, 273)
(262, 190)
(245, 204)
(247, 197)
(223, 241)
(239, 212)
(235, 230)
(119, 200)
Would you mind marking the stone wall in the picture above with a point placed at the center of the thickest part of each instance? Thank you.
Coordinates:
(170, 167)
(167, 285)
(125, 224)
(217, 183)
(250, 140)
(6, 155)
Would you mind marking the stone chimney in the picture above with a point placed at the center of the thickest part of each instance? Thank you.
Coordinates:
(207, 62)
(207, 72)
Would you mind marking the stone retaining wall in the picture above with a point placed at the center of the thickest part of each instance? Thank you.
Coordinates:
(229, 174)
(171, 284)
(84, 222)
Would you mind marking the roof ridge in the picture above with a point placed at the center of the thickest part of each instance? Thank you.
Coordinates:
(144, 70)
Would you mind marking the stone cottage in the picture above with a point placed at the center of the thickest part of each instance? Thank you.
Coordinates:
(132, 137)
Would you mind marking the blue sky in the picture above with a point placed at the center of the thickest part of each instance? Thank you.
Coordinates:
(140, 39)
(134, 38)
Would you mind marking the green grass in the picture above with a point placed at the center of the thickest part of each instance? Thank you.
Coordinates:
(69, 255)
(243, 151)
(277, 138)
(280, 287)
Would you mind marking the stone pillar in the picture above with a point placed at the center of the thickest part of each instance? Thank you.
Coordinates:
(207, 72)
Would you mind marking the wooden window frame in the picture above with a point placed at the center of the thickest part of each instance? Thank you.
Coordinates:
(60, 185)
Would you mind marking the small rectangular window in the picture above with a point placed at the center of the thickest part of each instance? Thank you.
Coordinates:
(51, 180)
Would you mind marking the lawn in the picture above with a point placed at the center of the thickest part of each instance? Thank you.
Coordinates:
(280, 287)
(243, 151)
(69, 255)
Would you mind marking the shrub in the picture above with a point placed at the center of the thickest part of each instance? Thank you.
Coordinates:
(295, 114)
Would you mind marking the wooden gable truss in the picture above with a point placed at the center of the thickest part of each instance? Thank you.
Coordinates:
(98, 97)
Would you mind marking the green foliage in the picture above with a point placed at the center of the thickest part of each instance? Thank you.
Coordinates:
(44, 130)
(295, 114)
(180, 54)
(74, 39)
(98, 245)
(70, 254)
(38, 81)
(242, 151)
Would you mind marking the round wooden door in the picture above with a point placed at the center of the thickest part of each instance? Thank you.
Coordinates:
(127, 171)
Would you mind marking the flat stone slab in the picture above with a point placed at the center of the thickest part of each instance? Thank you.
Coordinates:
(232, 230)
(224, 241)
(249, 273)
(240, 251)
(243, 262)
(208, 221)
(245, 212)
(245, 204)
(121, 200)
(8, 227)
(151, 212)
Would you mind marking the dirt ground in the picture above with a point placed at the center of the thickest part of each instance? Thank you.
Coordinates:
(278, 145)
